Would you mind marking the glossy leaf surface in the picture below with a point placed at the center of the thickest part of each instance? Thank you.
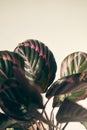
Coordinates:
(40, 65)
(74, 63)
(16, 96)
(7, 61)
(67, 85)
(74, 87)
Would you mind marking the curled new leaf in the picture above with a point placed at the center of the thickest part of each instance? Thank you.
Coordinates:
(40, 66)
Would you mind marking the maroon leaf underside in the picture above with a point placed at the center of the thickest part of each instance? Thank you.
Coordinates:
(70, 111)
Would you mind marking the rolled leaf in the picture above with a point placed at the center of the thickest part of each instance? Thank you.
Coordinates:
(74, 63)
(40, 64)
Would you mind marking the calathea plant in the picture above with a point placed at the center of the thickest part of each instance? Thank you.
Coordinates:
(29, 72)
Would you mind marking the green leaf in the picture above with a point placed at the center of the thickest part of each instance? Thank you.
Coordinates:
(84, 124)
(16, 96)
(35, 114)
(70, 111)
(40, 65)
(30, 92)
(7, 61)
(74, 96)
(18, 126)
(57, 100)
(78, 95)
(64, 85)
(73, 87)
(74, 63)
(5, 121)
(15, 128)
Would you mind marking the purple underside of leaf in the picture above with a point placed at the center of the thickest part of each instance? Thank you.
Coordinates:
(71, 112)
(67, 85)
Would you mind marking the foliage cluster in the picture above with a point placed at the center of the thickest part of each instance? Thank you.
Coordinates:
(27, 73)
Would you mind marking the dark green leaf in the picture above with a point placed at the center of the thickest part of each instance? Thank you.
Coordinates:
(18, 126)
(74, 96)
(74, 87)
(13, 109)
(74, 63)
(5, 121)
(16, 96)
(7, 61)
(64, 85)
(37, 115)
(70, 111)
(31, 92)
(40, 66)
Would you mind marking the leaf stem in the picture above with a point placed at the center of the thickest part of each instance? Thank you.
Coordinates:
(65, 126)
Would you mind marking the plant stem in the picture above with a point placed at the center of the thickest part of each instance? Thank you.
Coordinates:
(65, 126)
(46, 115)
(52, 118)
(45, 105)
(32, 127)
(42, 126)
(38, 126)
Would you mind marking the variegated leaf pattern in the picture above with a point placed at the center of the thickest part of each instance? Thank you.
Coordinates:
(74, 63)
(17, 95)
(7, 61)
(70, 111)
(67, 85)
(40, 64)
(74, 87)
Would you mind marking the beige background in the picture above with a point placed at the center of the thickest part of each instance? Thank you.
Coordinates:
(60, 24)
